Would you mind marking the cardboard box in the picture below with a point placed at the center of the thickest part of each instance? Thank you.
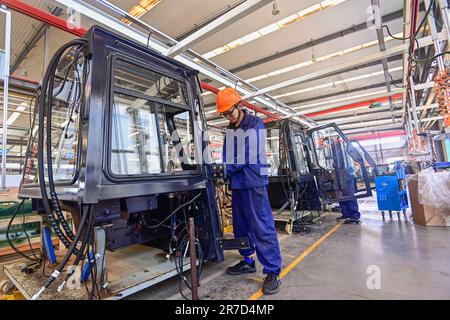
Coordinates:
(423, 214)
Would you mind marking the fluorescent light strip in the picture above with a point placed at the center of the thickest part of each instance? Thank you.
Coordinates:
(310, 62)
(280, 24)
(330, 84)
(341, 100)
(13, 117)
(377, 141)
(354, 115)
(370, 94)
(363, 124)
(320, 59)
(364, 117)
(217, 122)
(140, 9)
(328, 102)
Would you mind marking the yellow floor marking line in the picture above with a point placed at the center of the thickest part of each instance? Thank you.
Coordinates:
(285, 271)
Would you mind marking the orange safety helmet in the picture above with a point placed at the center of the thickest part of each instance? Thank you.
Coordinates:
(226, 99)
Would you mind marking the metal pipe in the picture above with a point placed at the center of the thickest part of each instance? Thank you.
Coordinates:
(410, 18)
(354, 105)
(32, 43)
(413, 104)
(378, 135)
(59, 23)
(379, 25)
(193, 259)
(307, 45)
(35, 13)
(343, 67)
(5, 92)
(162, 48)
(436, 41)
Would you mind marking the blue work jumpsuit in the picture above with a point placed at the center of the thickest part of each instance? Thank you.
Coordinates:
(349, 209)
(252, 213)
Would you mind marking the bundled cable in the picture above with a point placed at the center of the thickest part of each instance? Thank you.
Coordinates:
(46, 99)
(161, 223)
(442, 87)
(8, 228)
(55, 274)
(55, 202)
(182, 248)
(83, 253)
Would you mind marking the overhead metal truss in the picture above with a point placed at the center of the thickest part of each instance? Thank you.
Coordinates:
(189, 58)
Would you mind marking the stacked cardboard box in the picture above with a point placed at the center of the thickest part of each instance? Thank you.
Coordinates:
(423, 214)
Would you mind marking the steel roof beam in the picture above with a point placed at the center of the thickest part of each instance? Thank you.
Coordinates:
(357, 113)
(380, 135)
(344, 67)
(211, 70)
(223, 21)
(382, 45)
(336, 35)
(34, 40)
(331, 95)
(354, 105)
(365, 130)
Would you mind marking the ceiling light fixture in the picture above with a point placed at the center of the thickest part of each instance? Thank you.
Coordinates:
(330, 84)
(140, 9)
(318, 59)
(280, 24)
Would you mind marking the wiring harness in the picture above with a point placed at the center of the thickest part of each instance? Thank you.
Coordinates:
(82, 244)
(442, 87)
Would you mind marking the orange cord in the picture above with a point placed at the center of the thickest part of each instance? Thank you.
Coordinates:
(442, 87)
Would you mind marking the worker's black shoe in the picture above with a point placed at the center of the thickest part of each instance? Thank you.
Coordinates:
(341, 218)
(352, 220)
(242, 267)
(271, 284)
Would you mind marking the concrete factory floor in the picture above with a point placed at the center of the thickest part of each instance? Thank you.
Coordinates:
(341, 262)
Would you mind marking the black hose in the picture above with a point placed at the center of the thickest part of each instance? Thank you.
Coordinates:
(81, 253)
(55, 274)
(414, 40)
(172, 213)
(8, 228)
(49, 73)
(51, 184)
(179, 262)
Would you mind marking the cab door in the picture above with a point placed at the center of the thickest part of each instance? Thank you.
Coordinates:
(371, 165)
(339, 168)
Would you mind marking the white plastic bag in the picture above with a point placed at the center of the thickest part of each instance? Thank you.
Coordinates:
(434, 188)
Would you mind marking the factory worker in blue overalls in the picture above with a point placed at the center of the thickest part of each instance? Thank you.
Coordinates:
(346, 177)
(246, 166)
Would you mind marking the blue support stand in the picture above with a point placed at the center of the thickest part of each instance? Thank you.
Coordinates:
(86, 272)
(48, 245)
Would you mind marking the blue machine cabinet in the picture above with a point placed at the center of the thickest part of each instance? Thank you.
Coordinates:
(391, 190)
